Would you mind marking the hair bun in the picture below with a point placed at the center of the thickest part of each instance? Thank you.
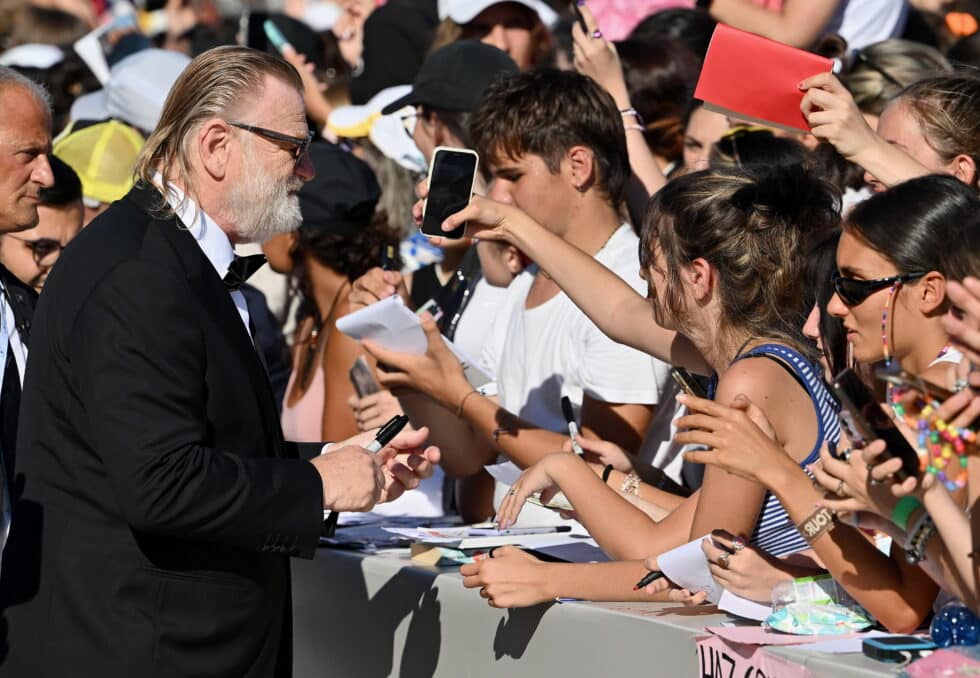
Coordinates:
(786, 192)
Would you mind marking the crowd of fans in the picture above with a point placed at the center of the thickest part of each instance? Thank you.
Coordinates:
(618, 229)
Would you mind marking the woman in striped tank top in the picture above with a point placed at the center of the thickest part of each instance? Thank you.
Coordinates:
(895, 253)
(723, 253)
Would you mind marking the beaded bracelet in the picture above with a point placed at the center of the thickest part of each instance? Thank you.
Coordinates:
(915, 543)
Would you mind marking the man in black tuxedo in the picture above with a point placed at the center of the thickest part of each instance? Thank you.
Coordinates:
(25, 142)
(168, 502)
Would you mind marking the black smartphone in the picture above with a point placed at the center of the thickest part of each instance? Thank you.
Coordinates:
(362, 378)
(864, 421)
(451, 176)
(255, 35)
(689, 383)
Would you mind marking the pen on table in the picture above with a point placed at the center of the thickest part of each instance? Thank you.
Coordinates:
(566, 409)
(388, 258)
(648, 579)
(384, 436)
(550, 529)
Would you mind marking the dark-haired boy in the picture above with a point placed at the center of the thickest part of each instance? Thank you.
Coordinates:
(553, 142)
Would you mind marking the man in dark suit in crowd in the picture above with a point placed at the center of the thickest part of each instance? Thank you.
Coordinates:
(25, 142)
(168, 501)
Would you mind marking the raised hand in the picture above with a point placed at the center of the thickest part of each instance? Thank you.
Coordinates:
(437, 372)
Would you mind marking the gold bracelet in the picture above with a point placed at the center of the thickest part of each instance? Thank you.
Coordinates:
(631, 484)
(459, 410)
(820, 521)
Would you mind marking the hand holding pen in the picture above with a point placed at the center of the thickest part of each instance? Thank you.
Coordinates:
(398, 474)
(566, 410)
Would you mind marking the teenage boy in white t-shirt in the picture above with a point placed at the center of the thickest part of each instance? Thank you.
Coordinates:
(554, 144)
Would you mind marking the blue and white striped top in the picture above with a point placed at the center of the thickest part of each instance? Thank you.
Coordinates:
(774, 532)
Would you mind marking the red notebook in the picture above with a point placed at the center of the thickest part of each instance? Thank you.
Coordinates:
(752, 78)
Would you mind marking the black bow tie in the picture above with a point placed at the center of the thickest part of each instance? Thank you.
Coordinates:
(241, 269)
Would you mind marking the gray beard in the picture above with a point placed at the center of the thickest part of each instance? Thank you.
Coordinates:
(262, 207)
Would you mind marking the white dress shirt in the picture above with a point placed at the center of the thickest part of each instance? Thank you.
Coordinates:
(16, 345)
(210, 238)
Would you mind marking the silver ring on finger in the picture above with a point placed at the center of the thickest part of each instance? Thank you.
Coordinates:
(511, 492)
(840, 489)
(738, 543)
(724, 560)
(845, 454)
(872, 481)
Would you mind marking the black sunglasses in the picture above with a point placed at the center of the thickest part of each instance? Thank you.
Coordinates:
(41, 249)
(302, 146)
(853, 291)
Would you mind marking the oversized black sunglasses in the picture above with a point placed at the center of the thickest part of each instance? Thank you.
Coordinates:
(853, 291)
(302, 146)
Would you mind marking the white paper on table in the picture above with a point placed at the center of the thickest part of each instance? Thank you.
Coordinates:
(687, 567)
(463, 538)
(743, 607)
(395, 327)
(840, 645)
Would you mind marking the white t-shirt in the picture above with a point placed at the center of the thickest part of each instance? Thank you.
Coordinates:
(554, 350)
(474, 325)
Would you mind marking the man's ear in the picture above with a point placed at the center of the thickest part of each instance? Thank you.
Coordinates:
(930, 293)
(514, 260)
(214, 147)
(581, 163)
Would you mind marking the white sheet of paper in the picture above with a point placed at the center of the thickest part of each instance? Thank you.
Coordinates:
(395, 327)
(687, 567)
(506, 473)
(743, 607)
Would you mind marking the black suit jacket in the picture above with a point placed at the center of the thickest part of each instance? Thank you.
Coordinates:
(166, 500)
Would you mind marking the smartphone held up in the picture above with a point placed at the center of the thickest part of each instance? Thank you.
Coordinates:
(452, 174)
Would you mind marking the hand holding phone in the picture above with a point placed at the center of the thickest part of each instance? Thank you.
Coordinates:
(452, 174)
(864, 421)
(362, 378)
(688, 382)
(274, 35)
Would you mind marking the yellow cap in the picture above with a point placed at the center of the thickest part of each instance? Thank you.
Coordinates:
(103, 155)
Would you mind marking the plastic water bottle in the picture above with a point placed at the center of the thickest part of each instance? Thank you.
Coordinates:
(955, 624)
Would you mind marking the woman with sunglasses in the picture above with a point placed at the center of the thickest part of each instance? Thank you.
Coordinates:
(722, 251)
(887, 242)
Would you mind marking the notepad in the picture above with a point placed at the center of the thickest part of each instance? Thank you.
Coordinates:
(751, 78)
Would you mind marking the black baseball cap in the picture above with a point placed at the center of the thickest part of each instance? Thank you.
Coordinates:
(341, 198)
(455, 77)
